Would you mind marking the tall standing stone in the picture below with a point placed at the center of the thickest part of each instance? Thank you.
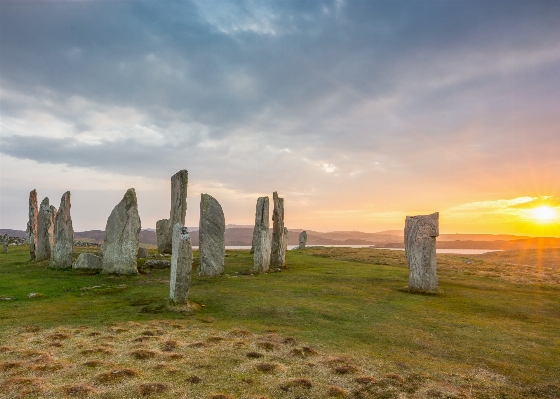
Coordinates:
(5, 243)
(164, 227)
(31, 231)
(121, 237)
(420, 234)
(63, 236)
(278, 252)
(44, 231)
(261, 237)
(285, 242)
(181, 265)
(302, 240)
(212, 227)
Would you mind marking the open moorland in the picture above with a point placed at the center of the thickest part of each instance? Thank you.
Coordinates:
(337, 323)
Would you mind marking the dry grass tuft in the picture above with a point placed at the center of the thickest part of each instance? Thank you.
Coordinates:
(240, 333)
(4, 366)
(215, 339)
(97, 350)
(94, 334)
(194, 379)
(266, 345)
(221, 396)
(197, 345)
(78, 390)
(341, 365)
(59, 336)
(93, 363)
(150, 388)
(267, 367)
(254, 355)
(115, 375)
(142, 354)
(24, 386)
(395, 377)
(290, 341)
(336, 392)
(296, 383)
(169, 345)
(5, 349)
(175, 356)
(365, 380)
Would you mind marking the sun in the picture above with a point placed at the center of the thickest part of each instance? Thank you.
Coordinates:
(543, 214)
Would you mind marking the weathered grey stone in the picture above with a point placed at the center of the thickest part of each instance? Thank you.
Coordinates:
(5, 243)
(156, 264)
(285, 240)
(142, 252)
(261, 237)
(302, 240)
(44, 231)
(278, 252)
(31, 231)
(181, 265)
(63, 236)
(420, 234)
(121, 237)
(179, 182)
(212, 227)
(88, 261)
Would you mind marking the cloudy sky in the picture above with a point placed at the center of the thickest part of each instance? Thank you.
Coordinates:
(357, 112)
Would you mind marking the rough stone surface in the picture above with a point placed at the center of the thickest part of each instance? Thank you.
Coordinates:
(261, 237)
(420, 234)
(179, 182)
(88, 261)
(156, 264)
(44, 231)
(212, 227)
(121, 237)
(302, 240)
(181, 265)
(5, 243)
(285, 241)
(142, 252)
(278, 252)
(63, 236)
(31, 231)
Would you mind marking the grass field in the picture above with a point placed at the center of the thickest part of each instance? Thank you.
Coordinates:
(336, 323)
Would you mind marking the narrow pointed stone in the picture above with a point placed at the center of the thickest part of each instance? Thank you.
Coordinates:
(261, 237)
(63, 236)
(278, 252)
(181, 265)
(5, 243)
(31, 231)
(179, 183)
(121, 237)
(302, 240)
(44, 231)
(212, 227)
(420, 234)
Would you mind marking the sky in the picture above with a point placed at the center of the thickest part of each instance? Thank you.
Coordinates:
(357, 113)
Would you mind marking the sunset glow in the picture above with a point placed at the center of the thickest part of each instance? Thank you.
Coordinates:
(543, 214)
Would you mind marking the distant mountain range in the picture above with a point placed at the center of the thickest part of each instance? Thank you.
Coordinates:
(242, 235)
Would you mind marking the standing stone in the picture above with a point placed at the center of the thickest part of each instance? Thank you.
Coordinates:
(31, 231)
(44, 231)
(5, 243)
(121, 237)
(278, 253)
(420, 234)
(181, 265)
(302, 240)
(63, 236)
(142, 252)
(88, 261)
(285, 242)
(261, 237)
(212, 227)
(164, 227)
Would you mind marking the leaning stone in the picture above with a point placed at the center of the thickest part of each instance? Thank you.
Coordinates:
(181, 265)
(420, 234)
(278, 252)
(88, 261)
(5, 242)
(44, 231)
(121, 237)
(261, 237)
(63, 234)
(31, 231)
(302, 240)
(179, 182)
(142, 252)
(212, 227)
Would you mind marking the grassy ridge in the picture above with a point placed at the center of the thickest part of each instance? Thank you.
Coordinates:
(485, 334)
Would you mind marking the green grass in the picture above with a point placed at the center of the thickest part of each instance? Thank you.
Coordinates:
(483, 333)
